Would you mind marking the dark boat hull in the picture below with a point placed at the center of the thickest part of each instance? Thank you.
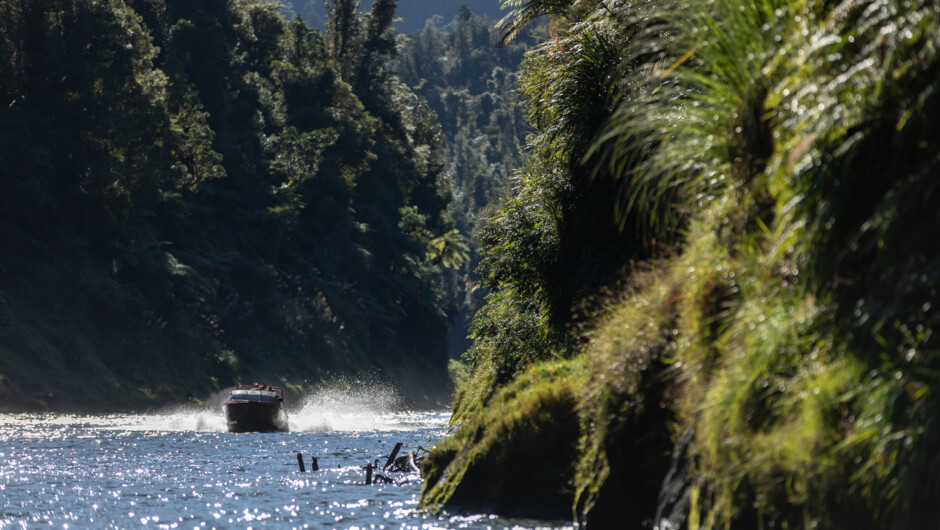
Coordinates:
(253, 416)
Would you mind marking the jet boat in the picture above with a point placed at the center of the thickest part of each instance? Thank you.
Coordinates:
(255, 408)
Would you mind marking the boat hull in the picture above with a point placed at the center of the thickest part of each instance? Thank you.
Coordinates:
(253, 416)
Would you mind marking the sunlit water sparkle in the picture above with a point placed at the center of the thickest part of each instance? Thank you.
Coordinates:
(180, 469)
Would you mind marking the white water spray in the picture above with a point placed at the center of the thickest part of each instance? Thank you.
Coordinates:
(375, 407)
(346, 407)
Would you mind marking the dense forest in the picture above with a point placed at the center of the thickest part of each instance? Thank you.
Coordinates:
(712, 290)
(472, 87)
(196, 192)
(702, 278)
(412, 14)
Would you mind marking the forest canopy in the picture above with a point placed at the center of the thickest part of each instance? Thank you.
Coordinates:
(199, 191)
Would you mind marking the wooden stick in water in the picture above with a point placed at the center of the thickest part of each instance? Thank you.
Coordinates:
(391, 457)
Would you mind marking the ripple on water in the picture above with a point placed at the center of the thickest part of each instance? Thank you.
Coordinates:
(179, 469)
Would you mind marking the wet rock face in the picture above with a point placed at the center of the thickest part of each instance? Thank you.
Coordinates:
(629, 496)
(518, 468)
(636, 448)
(528, 478)
(672, 510)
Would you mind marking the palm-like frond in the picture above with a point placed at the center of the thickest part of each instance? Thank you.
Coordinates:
(825, 112)
(523, 12)
(695, 121)
(451, 249)
(572, 74)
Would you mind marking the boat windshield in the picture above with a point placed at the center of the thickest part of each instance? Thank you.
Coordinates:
(254, 392)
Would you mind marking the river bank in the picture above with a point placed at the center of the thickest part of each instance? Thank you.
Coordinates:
(91, 399)
(772, 360)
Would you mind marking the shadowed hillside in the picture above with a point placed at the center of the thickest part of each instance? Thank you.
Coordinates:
(195, 193)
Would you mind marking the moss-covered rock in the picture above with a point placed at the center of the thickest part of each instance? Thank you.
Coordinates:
(517, 457)
(792, 335)
(575, 439)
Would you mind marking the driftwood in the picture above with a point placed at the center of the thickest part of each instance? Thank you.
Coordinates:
(383, 478)
(315, 466)
(409, 463)
(391, 457)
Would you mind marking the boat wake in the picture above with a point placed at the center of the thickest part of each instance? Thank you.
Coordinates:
(198, 419)
(343, 409)
(339, 409)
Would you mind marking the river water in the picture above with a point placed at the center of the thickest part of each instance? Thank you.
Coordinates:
(180, 469)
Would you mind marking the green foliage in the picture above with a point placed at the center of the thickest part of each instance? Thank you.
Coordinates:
(568, 428)
(790, 330)
(451, 249)
(510, 333)
(195, 192)
(344, 26)
(471, 88)
(523, 12)
(520, 479)
(554, 242)
(412, 15)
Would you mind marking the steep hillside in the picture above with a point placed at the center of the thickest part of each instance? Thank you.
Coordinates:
(473, 87)
(193, 193)
(755, 346)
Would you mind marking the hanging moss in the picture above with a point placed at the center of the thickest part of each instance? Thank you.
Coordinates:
(516, 458)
